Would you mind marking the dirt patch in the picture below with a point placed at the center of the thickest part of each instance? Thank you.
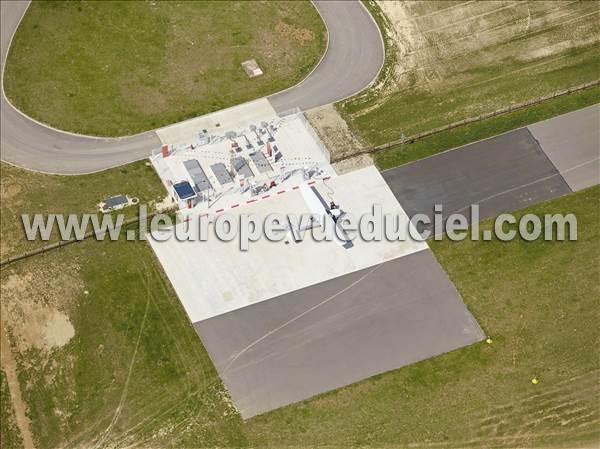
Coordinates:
(57, 330)
(442, 42)
(352, 164)
(334, 132)
(9, 366)
(300, 35)
(447, 61)
(557, 48)
(36, 305)
(9, 190)
(166, 204)
(405, 34)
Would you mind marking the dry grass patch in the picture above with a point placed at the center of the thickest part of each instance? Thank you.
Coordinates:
(334, 132)
(447, 61)
(301, 35)
(36, 310)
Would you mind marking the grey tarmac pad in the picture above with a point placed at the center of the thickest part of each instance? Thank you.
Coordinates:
(572, 143)
(331, 334)
(501, 174)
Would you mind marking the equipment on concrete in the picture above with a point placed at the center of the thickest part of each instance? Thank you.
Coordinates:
(221, 173)
(201, 182)
(254, 129)
(240, 165)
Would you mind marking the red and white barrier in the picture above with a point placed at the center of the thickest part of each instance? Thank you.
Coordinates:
(268, 195)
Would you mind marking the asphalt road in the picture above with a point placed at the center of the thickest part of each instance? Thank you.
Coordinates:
(353, 59)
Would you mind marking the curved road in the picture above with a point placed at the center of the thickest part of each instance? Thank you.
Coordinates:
(353, 59)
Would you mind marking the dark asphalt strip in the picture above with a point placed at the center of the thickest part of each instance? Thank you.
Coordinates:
(500, 174)
(322, 337)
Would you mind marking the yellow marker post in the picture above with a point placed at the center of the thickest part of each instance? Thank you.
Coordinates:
(535, 381)
(488, 340)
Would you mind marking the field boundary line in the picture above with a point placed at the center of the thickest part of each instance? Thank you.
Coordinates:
(469, 120)
(61, 243)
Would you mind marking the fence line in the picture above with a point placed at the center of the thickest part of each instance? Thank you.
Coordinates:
(61, 243)
(469, 120)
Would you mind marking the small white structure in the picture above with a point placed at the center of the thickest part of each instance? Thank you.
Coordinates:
(251, 68)
(116, 202)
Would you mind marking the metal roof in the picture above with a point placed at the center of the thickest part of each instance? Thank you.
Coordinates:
(184, 190)
(198, 176)
(114, 201)
(241, 166)
(221, 173)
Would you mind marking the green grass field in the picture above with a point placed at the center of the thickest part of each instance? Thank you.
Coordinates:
(446, 61)
(28, 192)
(119, 68)
(539, 304)
(463, 135)
(135, 371)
